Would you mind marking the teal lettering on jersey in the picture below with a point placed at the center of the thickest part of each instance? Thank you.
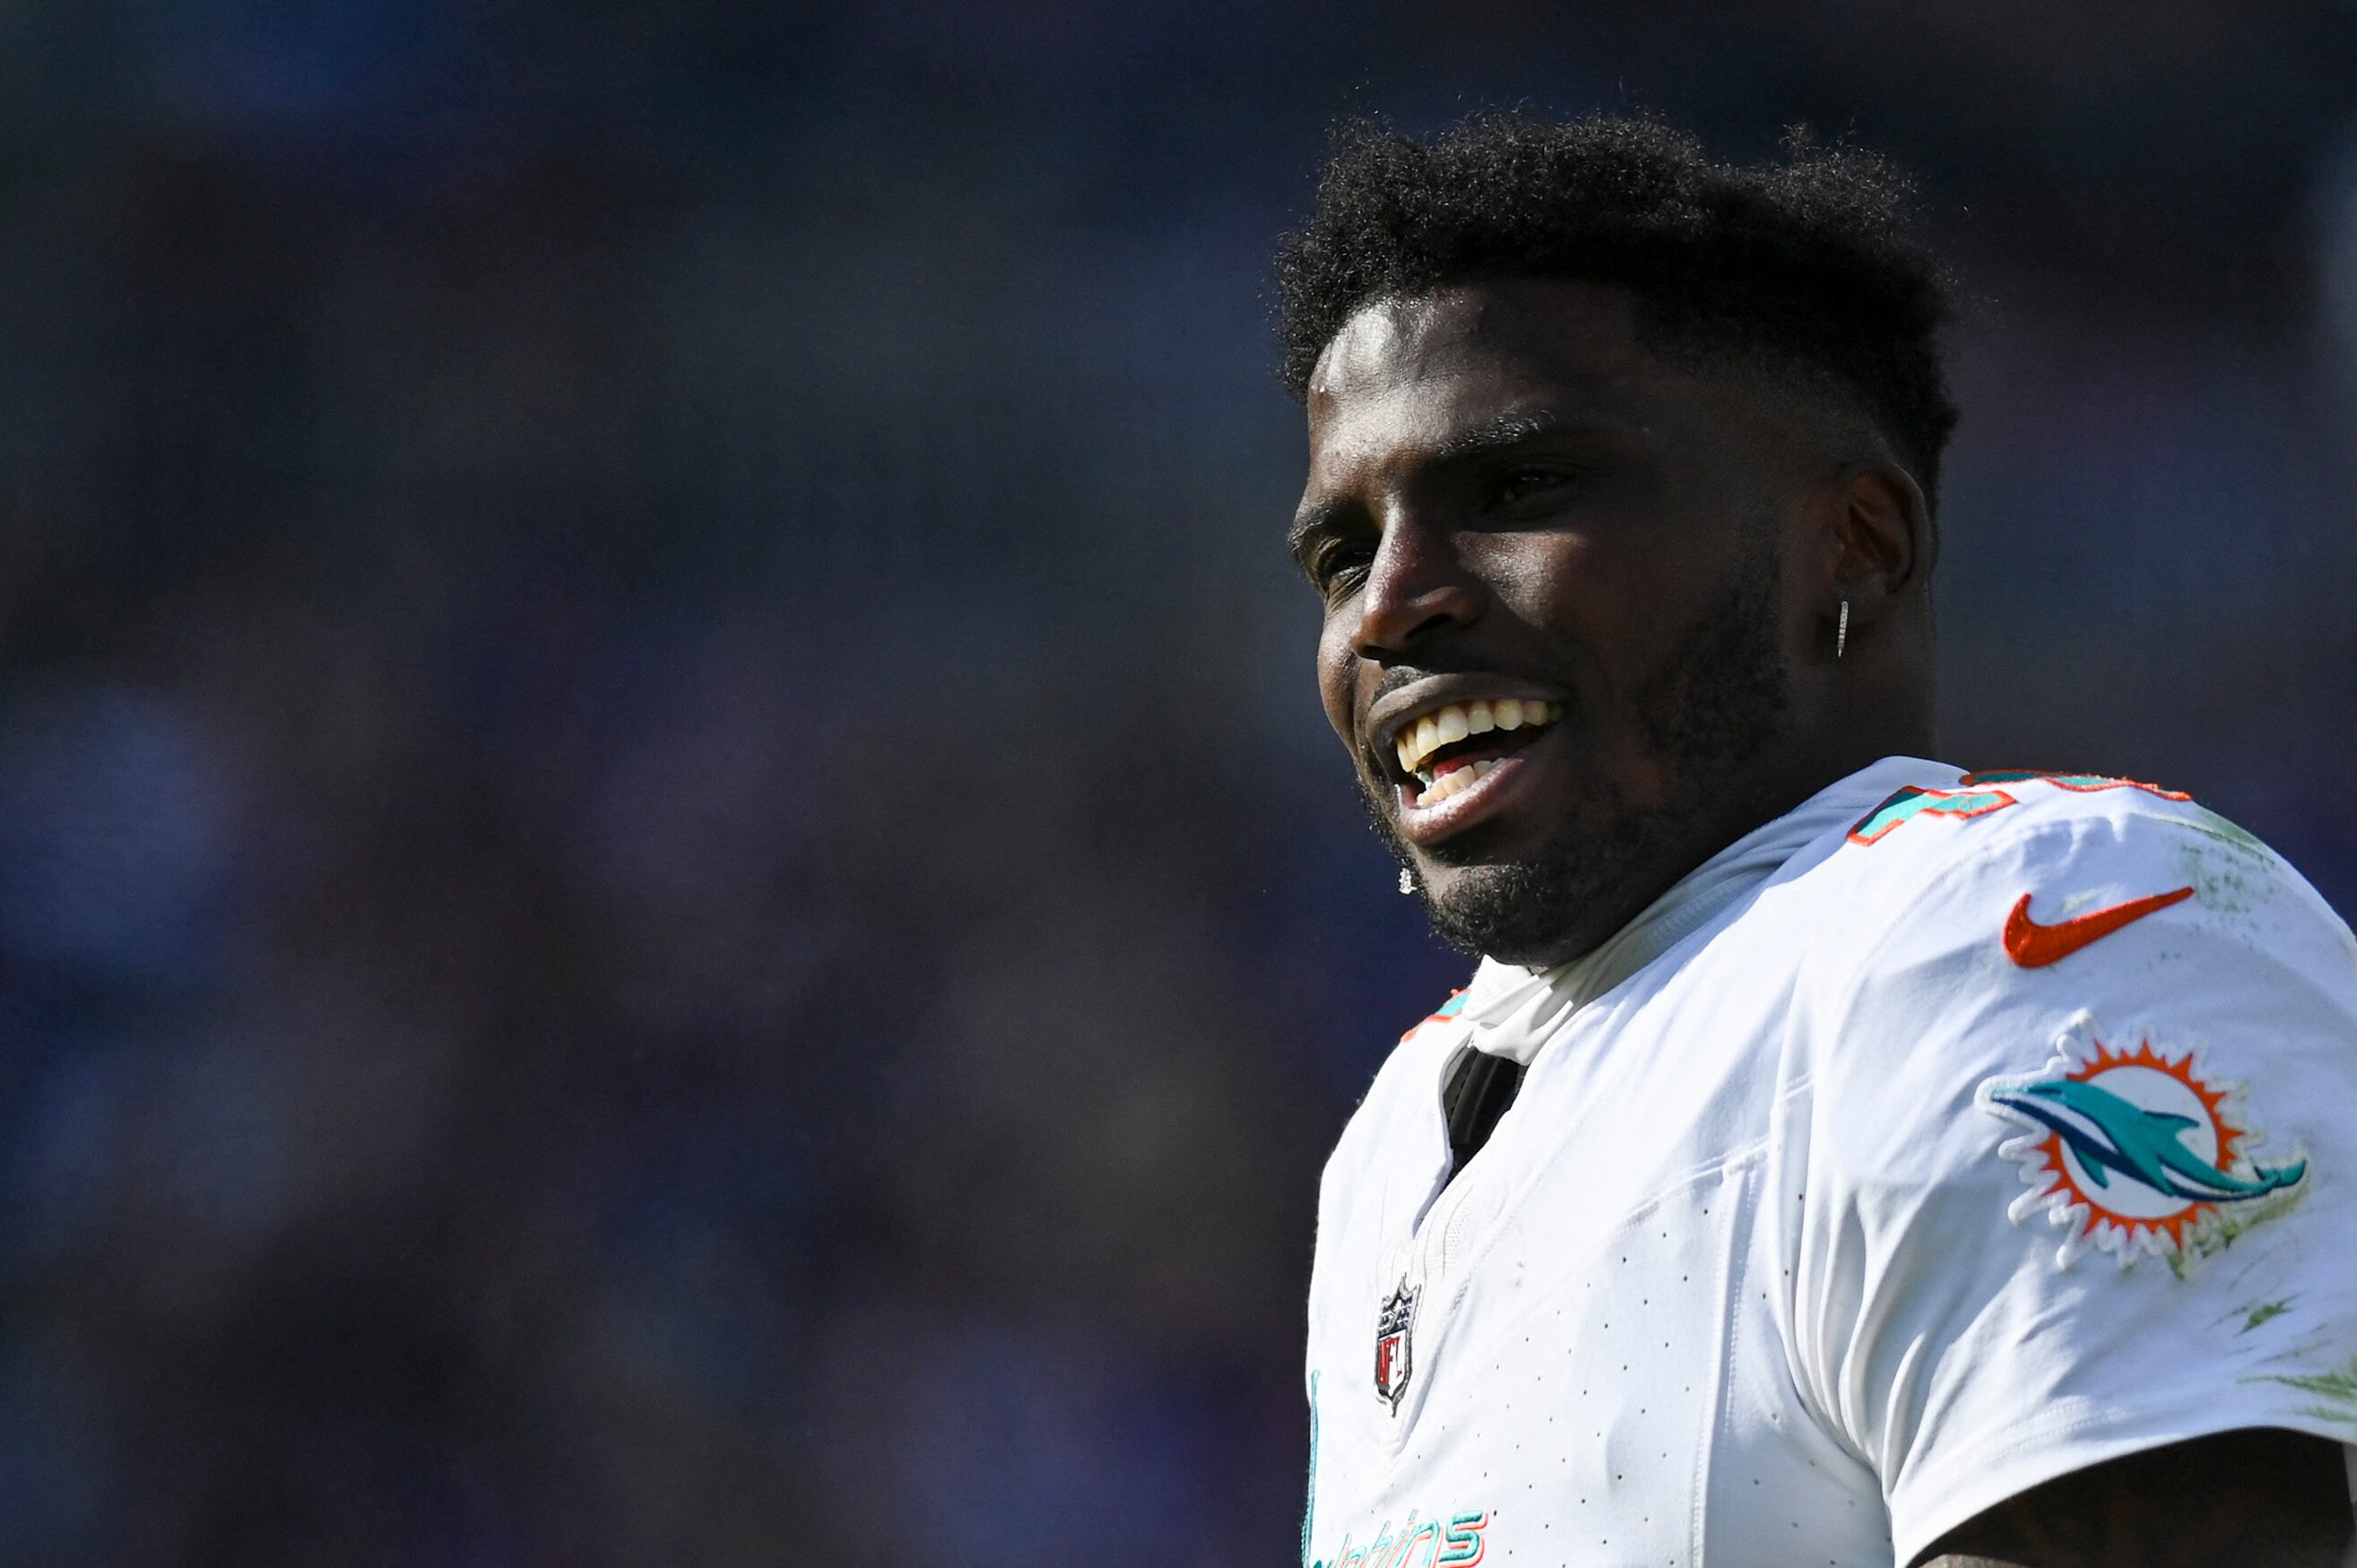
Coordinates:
(1431, 1544)
(1910, 803)
(1464, 1542)
(1309, 1508)
(1426, 1535)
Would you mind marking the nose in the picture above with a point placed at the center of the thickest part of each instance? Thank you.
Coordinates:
(1416, 586)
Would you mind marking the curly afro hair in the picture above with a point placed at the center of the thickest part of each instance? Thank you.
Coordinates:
(1806, 267)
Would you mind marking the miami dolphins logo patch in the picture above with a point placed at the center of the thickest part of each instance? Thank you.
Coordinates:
(2135, 1153)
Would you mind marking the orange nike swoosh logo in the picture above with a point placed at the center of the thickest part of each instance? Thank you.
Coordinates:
(2034, 946)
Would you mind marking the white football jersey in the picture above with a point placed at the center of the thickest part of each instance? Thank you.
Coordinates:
(1947, 1135)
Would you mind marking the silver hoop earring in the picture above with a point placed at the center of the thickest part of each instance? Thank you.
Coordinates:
(1407, 880)
(1841, 631)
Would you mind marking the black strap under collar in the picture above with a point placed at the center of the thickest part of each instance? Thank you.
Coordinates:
(1479, 1088)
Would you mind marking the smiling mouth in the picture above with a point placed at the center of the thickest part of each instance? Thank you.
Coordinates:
(1453, 747)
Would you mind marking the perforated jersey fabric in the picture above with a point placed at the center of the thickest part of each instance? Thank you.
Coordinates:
(1840, 1201)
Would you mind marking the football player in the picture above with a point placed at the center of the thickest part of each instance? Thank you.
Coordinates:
(1837, 1155)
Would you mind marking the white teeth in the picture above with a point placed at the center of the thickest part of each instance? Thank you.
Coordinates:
(1445, 726)
(1457, 781)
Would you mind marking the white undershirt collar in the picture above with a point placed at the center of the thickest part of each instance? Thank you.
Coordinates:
(1515, 1011)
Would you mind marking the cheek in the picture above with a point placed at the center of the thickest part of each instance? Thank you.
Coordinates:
(1337, 678)
(1556, 595)
(1604, 604)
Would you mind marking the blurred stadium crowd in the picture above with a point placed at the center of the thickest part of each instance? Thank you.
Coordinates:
(670, 889)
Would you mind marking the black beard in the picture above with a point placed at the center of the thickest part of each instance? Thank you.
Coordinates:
(1722, 702)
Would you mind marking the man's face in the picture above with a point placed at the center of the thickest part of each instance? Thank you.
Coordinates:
(1555, 641)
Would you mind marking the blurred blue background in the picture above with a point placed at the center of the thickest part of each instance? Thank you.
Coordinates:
(670, 888)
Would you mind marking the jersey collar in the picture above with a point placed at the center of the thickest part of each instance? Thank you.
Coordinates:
(1515, 1011)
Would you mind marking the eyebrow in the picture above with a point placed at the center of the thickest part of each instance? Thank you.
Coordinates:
(1505, 432)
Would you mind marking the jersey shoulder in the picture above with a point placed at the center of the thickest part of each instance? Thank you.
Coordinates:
(2022, 829)
(2080, 902)
(2038, 896)
(2078, 1043)
(1934, 823)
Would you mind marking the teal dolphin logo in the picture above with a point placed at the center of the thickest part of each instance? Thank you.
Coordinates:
(2109, 1134)
(2136, 1153)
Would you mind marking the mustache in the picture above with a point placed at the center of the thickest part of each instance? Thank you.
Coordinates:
(1397, 677)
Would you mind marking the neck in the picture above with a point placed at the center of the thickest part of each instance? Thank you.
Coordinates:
(1850, 736)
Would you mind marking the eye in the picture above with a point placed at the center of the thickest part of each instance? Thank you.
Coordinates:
(1521, 484)
(1340, 565)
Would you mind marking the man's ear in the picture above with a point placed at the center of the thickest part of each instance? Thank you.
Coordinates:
(1884, 536)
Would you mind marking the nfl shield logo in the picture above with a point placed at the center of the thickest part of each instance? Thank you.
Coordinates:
(1393, 1358)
